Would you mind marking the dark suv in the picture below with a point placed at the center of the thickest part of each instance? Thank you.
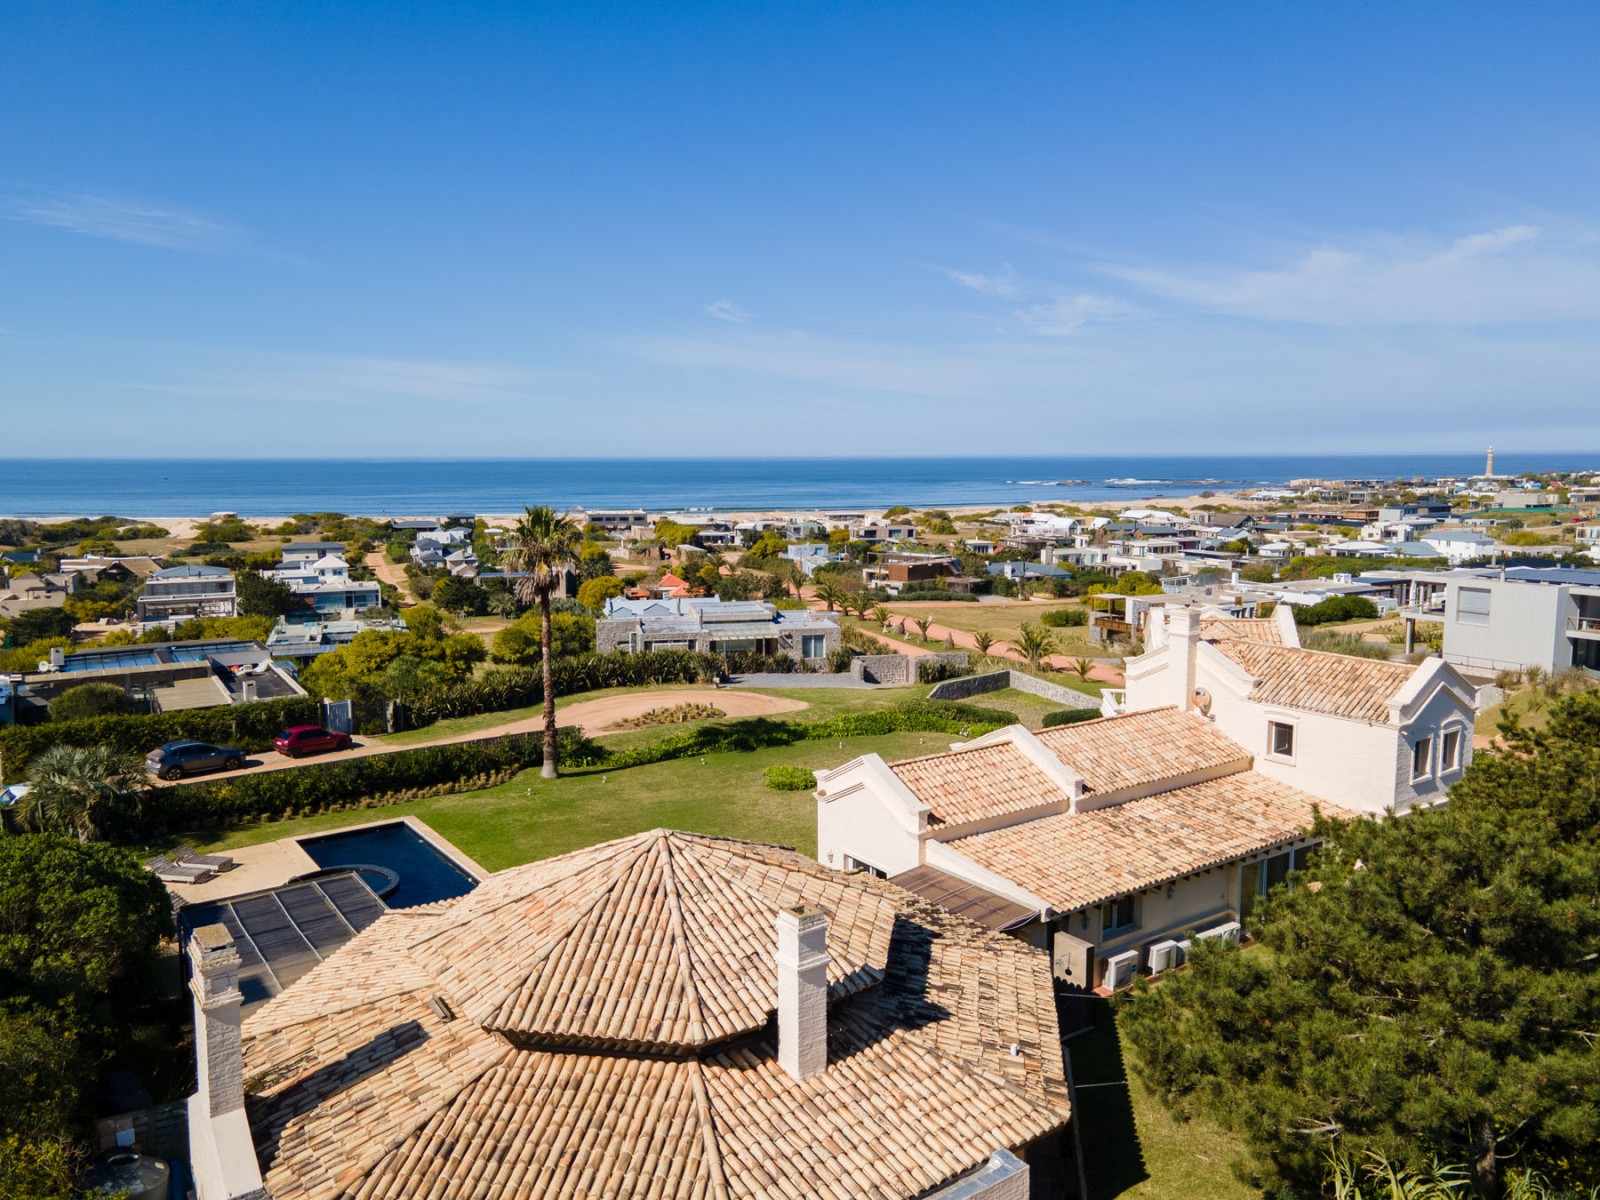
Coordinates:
(177, 759)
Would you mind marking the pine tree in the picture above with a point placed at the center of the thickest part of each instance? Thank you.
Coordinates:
(1430, 988)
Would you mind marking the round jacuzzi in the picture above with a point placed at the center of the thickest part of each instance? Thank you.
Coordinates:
(381, 880)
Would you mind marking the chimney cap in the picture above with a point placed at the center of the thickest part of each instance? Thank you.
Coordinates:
(804, 914)
(211, 947)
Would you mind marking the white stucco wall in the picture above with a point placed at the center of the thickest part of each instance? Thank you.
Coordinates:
(860, 823)
(1196, 903)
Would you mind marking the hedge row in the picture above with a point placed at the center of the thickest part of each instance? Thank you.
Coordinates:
(378, 779)
(351, 782)
(248, 726)
(1068, 716)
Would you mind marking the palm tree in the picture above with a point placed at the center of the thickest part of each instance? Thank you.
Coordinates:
(73, 789)
(880, 614)
(544, 547)
(1083, 666)
(503, 604)
(1035, 643)
(982, 640)
(830, 593)
(922, 624)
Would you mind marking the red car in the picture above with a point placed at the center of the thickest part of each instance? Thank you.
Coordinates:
(309, 739)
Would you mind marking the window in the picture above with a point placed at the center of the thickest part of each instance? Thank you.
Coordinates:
(855, 864)
(1117, 915)
(1421, 757)
(813, 645)
(1280, 739)
(1450, 750)
(1472, 606)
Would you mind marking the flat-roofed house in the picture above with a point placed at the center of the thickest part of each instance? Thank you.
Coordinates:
(1368, 734)
(1108, 843)
(665, 1016)
(190, 590)
(712, 626)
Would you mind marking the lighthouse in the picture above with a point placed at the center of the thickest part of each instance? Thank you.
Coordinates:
(1488, 468)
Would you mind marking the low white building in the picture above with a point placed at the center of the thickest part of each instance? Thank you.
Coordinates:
(1110, 843)
(1461, 545)
(1370, 735)
(1544, 617)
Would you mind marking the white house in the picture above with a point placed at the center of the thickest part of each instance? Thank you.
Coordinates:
(1367, 734)
(1461, 545)
(1110, 842)
(1545, 617)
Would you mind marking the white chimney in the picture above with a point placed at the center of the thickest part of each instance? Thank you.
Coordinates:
(802, 960)
(221, 1151)
(1183, 639)
(58, 658)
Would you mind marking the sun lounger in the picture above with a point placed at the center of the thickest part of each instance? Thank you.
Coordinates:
(168, 871)
(185, 856)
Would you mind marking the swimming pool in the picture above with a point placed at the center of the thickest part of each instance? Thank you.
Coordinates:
(426, 873)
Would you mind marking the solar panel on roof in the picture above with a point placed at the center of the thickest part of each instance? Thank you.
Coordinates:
(285, 932)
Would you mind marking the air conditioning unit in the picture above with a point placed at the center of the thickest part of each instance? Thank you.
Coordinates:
(1164, 956)
(1227, 932)
(1120, 970)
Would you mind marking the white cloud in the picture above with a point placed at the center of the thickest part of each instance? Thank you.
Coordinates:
(1067, 315)
(1003, 285)
(123, 220)
(727, 310)
(1515, 274)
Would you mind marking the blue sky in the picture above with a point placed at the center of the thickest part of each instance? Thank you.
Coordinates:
(688, 229)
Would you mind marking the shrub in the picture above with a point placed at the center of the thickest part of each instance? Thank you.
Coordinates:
(1057, 618)
(676, 714)
(248, 726)
(372, 780)
(1068, 716)
(89, 700)
(791, 779)
(936, 670)
(1336, 608)
(1353, 644)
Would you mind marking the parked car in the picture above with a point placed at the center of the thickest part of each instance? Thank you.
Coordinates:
(177, 759)
(309, 739)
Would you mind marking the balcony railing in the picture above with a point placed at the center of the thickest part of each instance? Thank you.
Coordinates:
(1584, 625)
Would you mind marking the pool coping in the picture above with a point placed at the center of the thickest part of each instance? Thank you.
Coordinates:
(421, 828)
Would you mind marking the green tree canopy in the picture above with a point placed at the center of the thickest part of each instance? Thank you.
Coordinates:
(1431, 987)
(518, 644)
(90, 700)
(593, 593)
(262, 597)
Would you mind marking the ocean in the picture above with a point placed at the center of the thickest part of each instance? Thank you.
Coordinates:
(396, 487)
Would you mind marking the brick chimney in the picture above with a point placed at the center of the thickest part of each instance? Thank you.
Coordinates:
(802, 961)
(221, 1150)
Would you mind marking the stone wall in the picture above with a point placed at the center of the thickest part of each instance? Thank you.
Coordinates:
(997, 681)
(894, 670)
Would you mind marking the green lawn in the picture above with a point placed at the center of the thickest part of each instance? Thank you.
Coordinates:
(530, 818)
(821, 704)
(1133, 1148)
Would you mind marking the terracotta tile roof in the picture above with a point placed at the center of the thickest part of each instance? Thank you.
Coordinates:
(1316, 681)
(1248, 629)
(1141, 748)
(986, 781)
(1073, 860)
(371, 1078)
